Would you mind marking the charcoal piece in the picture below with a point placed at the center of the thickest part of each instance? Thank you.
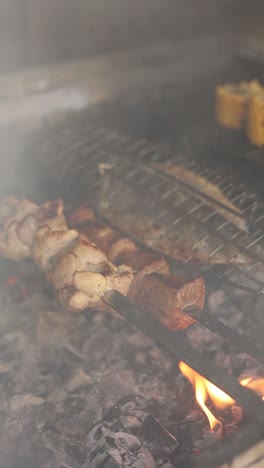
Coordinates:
(72, 426)
(112, 417)
(67, 451)
(93, 407)
(57, 396)
(112, 413)
(156, 438)
(79, 380)
(115, 386)
(93, 437)
(145, 460)
(237, 413)
(219, 305)
(128, 441)
(19, 403)
(5, 368)
(130, 422)
(118, 450)
(201, 338)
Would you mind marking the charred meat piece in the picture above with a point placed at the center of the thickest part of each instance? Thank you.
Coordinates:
(165, 297)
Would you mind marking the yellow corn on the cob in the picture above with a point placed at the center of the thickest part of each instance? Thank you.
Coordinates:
(255, 121)
(232, 102)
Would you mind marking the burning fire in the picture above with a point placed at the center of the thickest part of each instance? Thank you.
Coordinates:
(205, 389)
(257, 385)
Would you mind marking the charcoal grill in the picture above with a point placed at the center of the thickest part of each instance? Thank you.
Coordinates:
(81, 144)
(134, 164)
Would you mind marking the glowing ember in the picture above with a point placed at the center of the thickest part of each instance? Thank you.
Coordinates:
(205, 389)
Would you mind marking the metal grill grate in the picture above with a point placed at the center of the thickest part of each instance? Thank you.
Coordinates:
(134, 190)
(159, 211)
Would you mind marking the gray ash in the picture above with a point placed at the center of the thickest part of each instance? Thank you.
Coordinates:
(91, 391)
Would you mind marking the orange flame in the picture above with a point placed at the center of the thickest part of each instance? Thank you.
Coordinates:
(257, 385)
(205, 389)
(200, 386)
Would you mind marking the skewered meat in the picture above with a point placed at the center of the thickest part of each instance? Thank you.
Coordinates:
(82, 273)
(86, 268)
(120, 250)
(160, 293)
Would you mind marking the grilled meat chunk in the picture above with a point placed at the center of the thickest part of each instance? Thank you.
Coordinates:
(85, 268)
(84, 256)
(165, 297)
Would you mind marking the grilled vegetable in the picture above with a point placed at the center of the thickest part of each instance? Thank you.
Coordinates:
(232, 102)
(255, 125)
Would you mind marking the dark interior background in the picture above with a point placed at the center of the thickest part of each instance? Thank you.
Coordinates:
(38, 32)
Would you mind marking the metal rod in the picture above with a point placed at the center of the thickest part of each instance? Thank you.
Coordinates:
(176, 343)
(240, 341)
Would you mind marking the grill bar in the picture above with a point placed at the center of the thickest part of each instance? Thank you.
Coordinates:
(177, 344)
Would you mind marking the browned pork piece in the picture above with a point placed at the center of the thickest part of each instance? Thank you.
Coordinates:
(162, 294)
(165, 296)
